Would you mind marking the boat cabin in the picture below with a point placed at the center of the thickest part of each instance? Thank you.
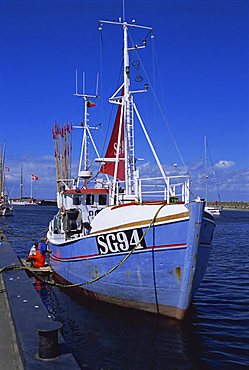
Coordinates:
(78, 207)
(89, 198)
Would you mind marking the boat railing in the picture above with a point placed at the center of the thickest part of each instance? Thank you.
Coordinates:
(66, 184)
(172, 189)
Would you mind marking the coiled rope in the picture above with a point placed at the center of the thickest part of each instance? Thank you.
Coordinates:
(52, 282)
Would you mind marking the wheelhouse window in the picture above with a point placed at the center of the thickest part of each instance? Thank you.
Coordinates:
(76, 199)
(89, 199)
(102, 199)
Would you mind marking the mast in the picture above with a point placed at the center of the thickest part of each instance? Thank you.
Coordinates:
(205, 165)
(127, 107)
(21, 183)
(129, 127)
(2, 165)
(84, 146)
(1, 172)
(83, 169)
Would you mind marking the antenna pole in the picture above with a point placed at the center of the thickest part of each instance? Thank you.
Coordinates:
(97, 84)
(123, 10)
(205, 164)
(76, 82)
(83, 162)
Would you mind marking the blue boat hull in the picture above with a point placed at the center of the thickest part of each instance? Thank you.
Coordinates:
(161, 277)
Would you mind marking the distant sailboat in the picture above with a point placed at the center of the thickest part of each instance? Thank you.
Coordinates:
(215, 211)
(6, 208)
(23, 201)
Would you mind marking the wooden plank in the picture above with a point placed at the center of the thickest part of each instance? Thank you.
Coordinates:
(28, 265)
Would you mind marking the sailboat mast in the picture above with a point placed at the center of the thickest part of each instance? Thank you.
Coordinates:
(1, 172)
(205, 164)
(21, 183)
(3, 184)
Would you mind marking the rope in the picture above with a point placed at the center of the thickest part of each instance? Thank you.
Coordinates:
(52, 282)
(13, 267)
(154, 271)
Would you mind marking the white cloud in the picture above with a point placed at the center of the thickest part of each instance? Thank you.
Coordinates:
(232, 182)
(224, 177)
(224, 164)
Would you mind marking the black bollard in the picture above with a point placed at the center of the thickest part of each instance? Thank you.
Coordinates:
(48, 339)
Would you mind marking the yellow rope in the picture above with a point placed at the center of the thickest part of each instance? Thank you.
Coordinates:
(12, 267)
(52, 282)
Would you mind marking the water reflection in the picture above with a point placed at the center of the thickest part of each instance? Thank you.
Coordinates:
(213, 335)
(107, 337)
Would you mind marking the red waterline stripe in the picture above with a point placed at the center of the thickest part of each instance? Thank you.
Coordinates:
(168, 246)
(75, 258)
(112, 254)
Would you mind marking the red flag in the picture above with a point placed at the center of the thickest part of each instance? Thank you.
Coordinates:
(35, 177)
(90, 104)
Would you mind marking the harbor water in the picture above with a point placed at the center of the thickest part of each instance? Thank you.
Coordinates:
(214, 334)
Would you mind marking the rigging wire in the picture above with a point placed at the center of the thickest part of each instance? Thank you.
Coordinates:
(112, 106)
(154, 103)
(136, 64)
(167, 121)
(213, 172)
(162, 109)
(101, 89)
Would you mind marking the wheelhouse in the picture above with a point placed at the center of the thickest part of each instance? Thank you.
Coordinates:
(78, 207)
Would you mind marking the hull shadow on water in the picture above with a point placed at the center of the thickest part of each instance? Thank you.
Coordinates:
(105, 337)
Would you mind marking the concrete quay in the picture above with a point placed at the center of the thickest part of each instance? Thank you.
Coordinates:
(9, 352)
(29, 338)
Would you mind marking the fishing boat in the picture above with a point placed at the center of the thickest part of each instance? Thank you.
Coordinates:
(215, 210)
(133, 241)
(6, 208)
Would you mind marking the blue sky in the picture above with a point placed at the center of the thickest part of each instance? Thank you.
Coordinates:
(200, 48)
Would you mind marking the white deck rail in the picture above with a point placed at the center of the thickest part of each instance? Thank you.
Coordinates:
(172, 189)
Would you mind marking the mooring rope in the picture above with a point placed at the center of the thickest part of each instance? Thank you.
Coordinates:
(52, 282)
